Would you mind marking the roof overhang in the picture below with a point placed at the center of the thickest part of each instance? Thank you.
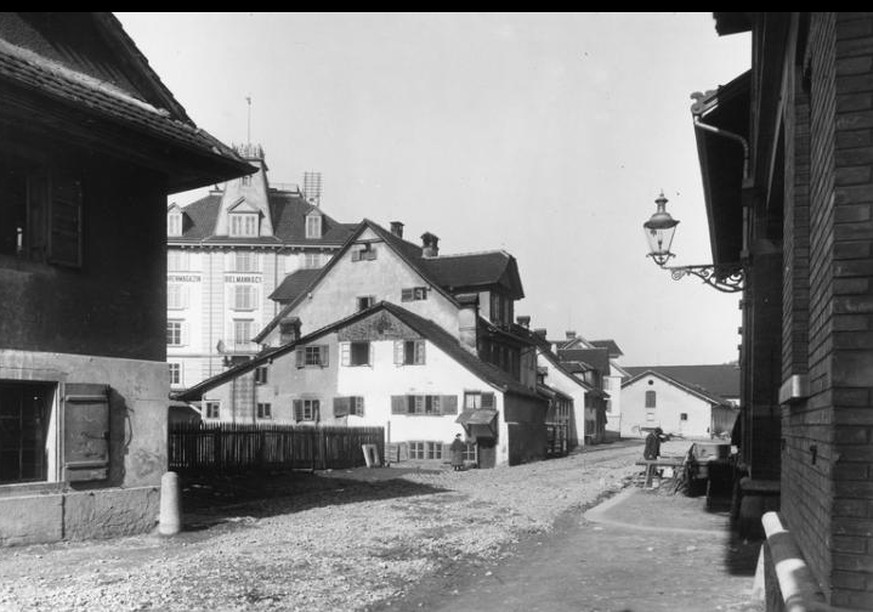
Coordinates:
(732, 23)
(723, 160)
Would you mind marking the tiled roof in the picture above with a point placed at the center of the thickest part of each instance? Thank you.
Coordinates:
(722, 380)
(25, 73)
(293, 285)
(614, 351)
(598, 358)
(475, 270)
(288, 212)
(427, 328)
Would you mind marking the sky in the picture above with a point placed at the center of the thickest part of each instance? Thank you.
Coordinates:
(546, 135)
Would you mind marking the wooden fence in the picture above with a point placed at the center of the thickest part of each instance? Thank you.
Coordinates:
(230, 447)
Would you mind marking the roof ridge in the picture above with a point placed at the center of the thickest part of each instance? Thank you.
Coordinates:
(468, 253)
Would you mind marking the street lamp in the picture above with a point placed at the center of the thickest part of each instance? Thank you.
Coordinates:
(659, 232)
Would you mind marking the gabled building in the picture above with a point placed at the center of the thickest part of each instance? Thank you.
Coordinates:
(227, 253)
(389, 367)
(91, 144)
(472, 296)
(676, 399)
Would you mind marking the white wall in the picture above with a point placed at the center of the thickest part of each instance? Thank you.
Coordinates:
(567, 384)
(671, 402)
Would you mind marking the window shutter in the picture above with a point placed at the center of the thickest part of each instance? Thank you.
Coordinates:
(65, 222)
(345, 353)
(419, 352)
(398, 404)
(371, 354)
(398, 352)
(86, 432)
(356, 255)
(301, 358)
(341, 406)
(449, 404)
(358, 406)
(488, 401)
(324, 350)
(298, 410)
(406, 295)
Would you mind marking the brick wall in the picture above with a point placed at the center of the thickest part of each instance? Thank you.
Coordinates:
(827, 460)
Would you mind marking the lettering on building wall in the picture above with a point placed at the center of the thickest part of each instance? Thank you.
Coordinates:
(183, 278)
(242, 278)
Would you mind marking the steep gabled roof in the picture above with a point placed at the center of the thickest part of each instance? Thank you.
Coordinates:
(79, 75)
(429, 330)
(689, 388)
(722, 380)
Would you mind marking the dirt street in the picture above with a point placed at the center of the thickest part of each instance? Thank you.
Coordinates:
(344, 540)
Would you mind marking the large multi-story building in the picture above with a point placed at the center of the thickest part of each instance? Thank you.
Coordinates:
(226, 254)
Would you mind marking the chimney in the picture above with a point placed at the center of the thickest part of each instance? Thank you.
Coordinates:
(397, 228)
(289, 330)
(429, 245)
(571, 335)
(523, 320)
(312, 187)
(468, 317)
(540, 333)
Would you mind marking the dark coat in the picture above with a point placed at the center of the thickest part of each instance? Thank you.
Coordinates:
(653, 446)
(457, 449)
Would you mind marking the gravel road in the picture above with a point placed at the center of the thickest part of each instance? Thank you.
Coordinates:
(344, 540)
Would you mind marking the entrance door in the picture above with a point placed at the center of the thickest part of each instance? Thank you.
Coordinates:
(24, 419)
(487, 450)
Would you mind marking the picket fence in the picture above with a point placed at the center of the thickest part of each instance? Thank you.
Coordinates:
(233, 447)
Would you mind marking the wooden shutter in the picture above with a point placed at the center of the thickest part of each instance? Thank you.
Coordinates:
(300, 354)
(406, 295)
(449, 404)
(65, 222)
(298, 410)
(324, 350)
(356, 255)
(371, 354)
(399, 404)
(86, 432)
(345, 353)
(357, 406)
(488, 401)
(419, 352)
(341, 406)
(398, 352)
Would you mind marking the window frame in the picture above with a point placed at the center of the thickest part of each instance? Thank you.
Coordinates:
(211, 409)
(174, 224)
(418, 352)
(264, 411)
(175, 371)
(175, 332)
(245, 297)
(243, 225)
(651, 401)
(261, 375)
(413, 294)
(237, 326)
(313, 227)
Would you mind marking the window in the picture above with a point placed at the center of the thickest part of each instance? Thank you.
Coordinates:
(365, 252)
(312, 356)
(683, 416)
(212, 409)
(177, 260)
(175, 373)
(311, 261)
(261, 375)
(412, 294)
(365, 302)
(245, 261)
(177, 296)
(473, 400)
(409, 352)
(244, 297)
(174, 224)
(306, 409)
(426, 450)
(242, 333)
(265, 411)
(346, 406)
(313, 226)
(355, 353)
(650, 415)
(25, 414)
(244, 225)
(174, 332)
(426, 405)
(650, 399)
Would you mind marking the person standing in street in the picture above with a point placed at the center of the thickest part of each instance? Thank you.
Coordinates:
(457, 447)
(652, 449)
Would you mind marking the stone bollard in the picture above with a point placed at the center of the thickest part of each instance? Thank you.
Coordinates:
(171, 508)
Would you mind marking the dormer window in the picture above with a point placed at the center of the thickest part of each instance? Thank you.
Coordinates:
(174, 223)
(244, 225)
(313, 225)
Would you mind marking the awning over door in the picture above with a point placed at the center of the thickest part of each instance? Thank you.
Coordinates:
(479, 423)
